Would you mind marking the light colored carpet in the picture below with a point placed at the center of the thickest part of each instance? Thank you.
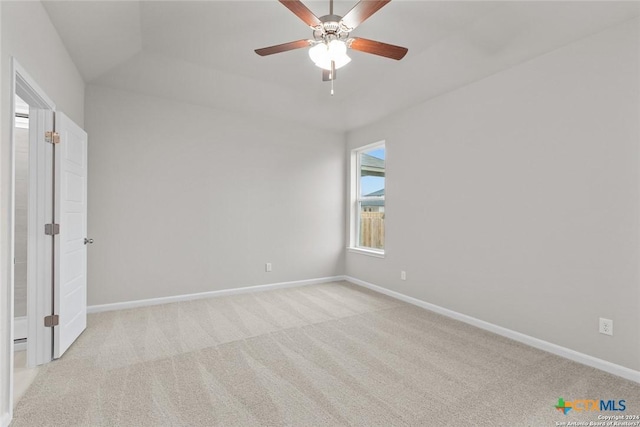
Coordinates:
(22, 375)
(321, 355)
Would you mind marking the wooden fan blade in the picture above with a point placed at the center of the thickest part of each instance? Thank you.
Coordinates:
(282, 47)
(326, 75)
(302, 12)
(362, 11)
(378, 48)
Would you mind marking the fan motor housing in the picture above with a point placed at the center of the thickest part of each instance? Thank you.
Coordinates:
(330, 28)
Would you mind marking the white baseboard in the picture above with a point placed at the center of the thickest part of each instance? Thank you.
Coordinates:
(210, 294)
(558, 350)
(20, 327)
(5, 419)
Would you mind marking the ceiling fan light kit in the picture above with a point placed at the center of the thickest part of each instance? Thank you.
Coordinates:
(322, 54)
(328, 49)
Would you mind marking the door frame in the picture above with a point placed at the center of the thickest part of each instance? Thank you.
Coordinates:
(39, 343)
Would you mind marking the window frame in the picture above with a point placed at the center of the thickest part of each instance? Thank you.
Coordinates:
(357, 199)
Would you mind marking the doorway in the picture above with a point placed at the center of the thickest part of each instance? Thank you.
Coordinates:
(38, 210)
(23, 375)
(55, 209)
(30, 341)
(49, 206)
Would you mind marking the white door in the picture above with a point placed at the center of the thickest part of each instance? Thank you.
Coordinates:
(70, 210)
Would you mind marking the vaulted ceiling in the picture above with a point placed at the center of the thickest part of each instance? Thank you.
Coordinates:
(202, 52)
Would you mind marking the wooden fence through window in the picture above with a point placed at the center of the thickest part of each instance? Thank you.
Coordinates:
(372, 229)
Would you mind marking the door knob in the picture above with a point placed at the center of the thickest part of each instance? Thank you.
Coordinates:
(88, 241)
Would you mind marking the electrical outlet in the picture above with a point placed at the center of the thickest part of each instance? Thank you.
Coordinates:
(267, 267)
(403, 275)
(606, 326)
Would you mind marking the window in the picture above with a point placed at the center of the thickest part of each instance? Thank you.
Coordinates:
(368, 204)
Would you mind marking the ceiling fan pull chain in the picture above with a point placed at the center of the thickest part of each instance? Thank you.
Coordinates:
(332, 75)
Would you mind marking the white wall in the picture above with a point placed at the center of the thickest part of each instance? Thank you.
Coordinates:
(5, 293)
(186, 199)
(29, 36)
(515, 199)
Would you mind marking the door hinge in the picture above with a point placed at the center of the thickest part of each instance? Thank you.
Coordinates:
(52, 137)
(51, 321)
(51, 229)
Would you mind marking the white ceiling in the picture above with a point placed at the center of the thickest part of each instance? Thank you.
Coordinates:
(202, 51)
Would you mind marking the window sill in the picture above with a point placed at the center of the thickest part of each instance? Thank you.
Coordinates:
(367, 252)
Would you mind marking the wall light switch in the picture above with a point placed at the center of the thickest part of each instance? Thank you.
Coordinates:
(267, 267)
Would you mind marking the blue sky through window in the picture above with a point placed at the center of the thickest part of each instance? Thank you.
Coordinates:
(370, 184)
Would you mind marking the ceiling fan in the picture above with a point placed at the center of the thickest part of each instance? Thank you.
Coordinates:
(328, 48)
